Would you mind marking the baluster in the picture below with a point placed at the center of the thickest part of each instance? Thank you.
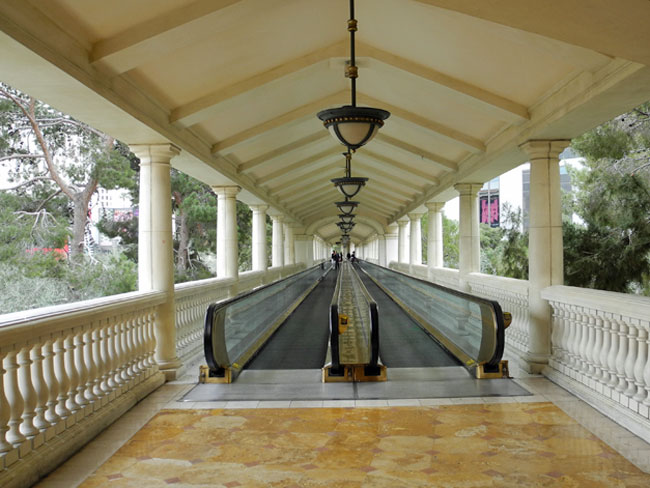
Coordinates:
(151, 343)
(641, 361)
(80, 367)
(108, 384)
(52, 383)
(574, 338)
(27, 392)
(604, 348)
(613, 351)
(15, 399)
(98, 342)
(556, 332)
(73, 374)
(118, 356)
(584, 338)
(133, 348)
(40, 388)
(124, 343)
(127, 372)
(61, 378)
(4, 409)
(646, 368)
(90, 355)
(565, 358)
(630, 360)
(621, 384)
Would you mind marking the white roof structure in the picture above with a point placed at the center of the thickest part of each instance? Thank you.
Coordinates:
(236, 84)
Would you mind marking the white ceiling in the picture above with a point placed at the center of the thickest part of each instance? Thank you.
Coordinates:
(236, 85)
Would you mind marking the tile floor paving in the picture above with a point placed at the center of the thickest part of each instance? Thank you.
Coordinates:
(550, 438)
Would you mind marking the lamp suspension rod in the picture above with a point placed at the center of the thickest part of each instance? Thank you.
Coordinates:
(352, 69)
(348, 164)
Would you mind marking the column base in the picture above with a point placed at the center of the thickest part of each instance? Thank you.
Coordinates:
(534, 363)
(169, 368)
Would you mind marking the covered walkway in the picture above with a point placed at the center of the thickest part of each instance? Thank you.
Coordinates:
(227, 91)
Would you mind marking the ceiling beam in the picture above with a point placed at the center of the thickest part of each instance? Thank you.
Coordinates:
(309, 109)
(500, 107)
(207, 106)
(374, 157)
(304, 163)
(142, 42)
(444, 163)
(305, 141)
(453, 136)
(413, 184)
(303, 180)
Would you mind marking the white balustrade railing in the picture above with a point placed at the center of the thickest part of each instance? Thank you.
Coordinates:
(64, 365)
(600, 350)
(512, 295)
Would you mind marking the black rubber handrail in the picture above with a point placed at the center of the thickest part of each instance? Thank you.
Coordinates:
(214, 349)
(499, 330)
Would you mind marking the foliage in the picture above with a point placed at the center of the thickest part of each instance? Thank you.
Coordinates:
(244, 236)
(504, 249)
(610, 249)
(450, 242)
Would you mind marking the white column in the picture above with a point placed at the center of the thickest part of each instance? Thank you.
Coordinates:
(155, 241)
(259, 237)
(304, 245)
(545, 246)
(392, 244)
(415, 249)
(381, 243)
(469, 248)
(434, 235)
(289, 246)
(402, 242)
(227, 253)
(277, 244)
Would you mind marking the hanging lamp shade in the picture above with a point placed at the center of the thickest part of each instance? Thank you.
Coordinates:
(353, 126)
(346, 207)
(349, 185)
(346, 218)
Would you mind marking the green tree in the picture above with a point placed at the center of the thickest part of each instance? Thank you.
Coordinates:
(62, 155)
(450, 240)
(610, 248)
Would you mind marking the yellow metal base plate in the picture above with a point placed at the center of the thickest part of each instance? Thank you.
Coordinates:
(204, 376)
(502, 373)
(353, 373)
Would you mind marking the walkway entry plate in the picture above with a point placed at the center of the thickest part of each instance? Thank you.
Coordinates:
(353, 373)
(204, 376)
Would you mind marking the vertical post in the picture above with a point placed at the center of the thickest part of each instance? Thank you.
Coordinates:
(381, 241)
(415, 250)
(259, 237)
(155, 241)
(434, 235)
(402, 243)
(277, 258)
(289, 246)
(545, 248)
(469, 249)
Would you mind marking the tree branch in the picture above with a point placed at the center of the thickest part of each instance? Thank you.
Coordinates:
(20, 156)
(27, 183)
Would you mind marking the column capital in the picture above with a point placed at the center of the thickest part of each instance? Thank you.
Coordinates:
(434, 206)
(402, 223)
(155, 153)
(544, 149)
(277, 218)
(258, 208)
(415, 216)
(468, 188)
(226, 191)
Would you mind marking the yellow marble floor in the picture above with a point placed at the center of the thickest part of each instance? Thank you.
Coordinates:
(467, 445)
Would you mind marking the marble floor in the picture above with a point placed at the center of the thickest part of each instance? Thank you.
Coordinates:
(550, 438)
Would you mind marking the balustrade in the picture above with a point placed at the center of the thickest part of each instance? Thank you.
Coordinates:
(601, 343)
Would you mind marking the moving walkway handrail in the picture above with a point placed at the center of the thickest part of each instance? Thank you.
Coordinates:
(486, 350)
(214, 336)
(373, 339)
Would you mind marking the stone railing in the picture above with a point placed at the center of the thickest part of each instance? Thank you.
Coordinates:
(512, 295)
(600, 346)
(66, 373)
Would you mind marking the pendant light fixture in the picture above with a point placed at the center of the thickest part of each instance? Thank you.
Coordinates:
(349, 185)
(353, 126)
(346, 218)
(346, 207)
